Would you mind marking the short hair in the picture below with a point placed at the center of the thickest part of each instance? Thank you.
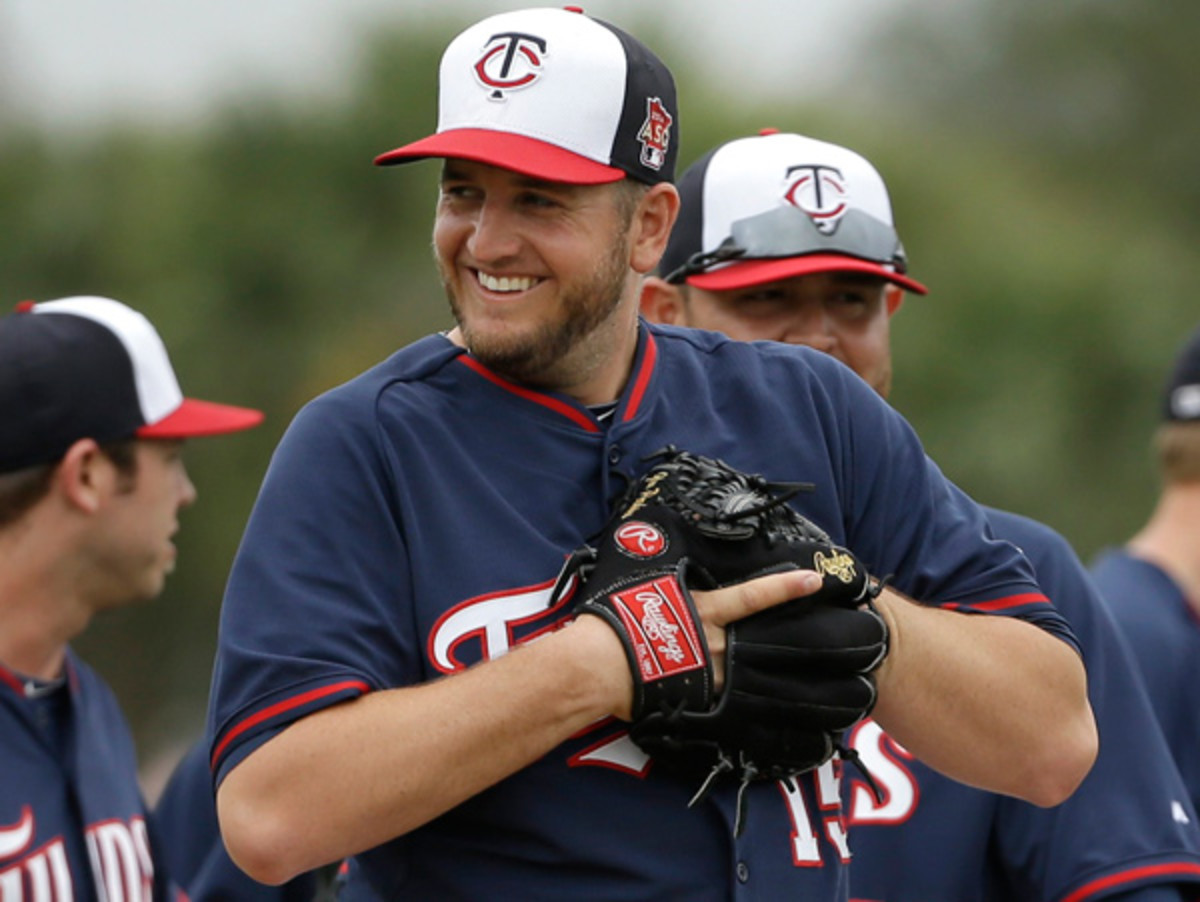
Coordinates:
(1177, 445)
(21, 489)
(629, 194)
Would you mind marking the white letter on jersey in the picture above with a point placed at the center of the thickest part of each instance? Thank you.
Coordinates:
(120, 856)
(806, 848)
(489, 617)
(14, 839)
(881, 757)
(45, 872)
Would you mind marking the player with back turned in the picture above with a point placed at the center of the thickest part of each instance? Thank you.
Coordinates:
(378, 693)
(791, 239)
(1153, 582)
(92, 481)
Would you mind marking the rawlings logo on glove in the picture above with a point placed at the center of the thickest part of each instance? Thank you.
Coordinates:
(796, 676)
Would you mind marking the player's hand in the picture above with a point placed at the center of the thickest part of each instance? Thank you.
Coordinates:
(716, 608)
(720, 607)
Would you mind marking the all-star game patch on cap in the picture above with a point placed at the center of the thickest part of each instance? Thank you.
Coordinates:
(91, 367)
(774, 206)
(554, 94)
(1182, 398)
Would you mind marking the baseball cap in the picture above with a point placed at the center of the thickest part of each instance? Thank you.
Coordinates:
(1182, 398)
(779, 205)
(554, 94)
(91, 367)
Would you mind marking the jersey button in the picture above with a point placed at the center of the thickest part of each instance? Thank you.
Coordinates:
(743, 872)
(614, 455)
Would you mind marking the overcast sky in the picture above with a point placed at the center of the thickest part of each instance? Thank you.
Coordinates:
(79, 62)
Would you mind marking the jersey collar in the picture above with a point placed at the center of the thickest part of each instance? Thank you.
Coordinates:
(628, 405)
(29, 687)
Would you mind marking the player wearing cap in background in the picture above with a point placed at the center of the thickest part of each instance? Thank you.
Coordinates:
(377, 693)
(1153, 583)
(92, 480)
(787, 238)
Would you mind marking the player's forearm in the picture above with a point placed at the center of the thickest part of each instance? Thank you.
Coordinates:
(990, 701)
(359, 774)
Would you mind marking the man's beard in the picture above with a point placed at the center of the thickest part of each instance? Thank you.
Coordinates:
(547, 355)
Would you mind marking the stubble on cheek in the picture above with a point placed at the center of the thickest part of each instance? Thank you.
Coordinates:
(540, 353)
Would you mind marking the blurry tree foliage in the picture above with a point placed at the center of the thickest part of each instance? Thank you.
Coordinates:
(1040, 158)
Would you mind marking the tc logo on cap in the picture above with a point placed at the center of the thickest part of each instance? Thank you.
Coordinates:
(655, 134)
(820, 191)
(511, 60)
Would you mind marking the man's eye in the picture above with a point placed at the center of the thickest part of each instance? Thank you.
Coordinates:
(849, 297)
(761, 297)
(538, 200)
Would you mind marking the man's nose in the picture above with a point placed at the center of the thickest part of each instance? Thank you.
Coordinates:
(810, 326)
(493, 234)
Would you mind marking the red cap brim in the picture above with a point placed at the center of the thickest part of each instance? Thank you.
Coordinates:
(759, 272)
(527, 156)
(195, 418)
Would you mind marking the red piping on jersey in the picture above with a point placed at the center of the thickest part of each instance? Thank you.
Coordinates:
(642, 380)
(9, 677)
(1000, 604)
(279, 708)
(1156, 870)
(571, 413)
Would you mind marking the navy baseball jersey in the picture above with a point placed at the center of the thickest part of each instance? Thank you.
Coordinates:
(185, 817)
(73, 824)
(1129, 831)
(413, 521)
(1163, 631)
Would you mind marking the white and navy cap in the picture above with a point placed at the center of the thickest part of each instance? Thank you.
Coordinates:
(91, 367)
(1182, 399)
(774, 206)
(554, 94)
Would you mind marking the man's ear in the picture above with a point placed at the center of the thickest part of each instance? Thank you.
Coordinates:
(84, 475)
(662, 302)
(651, 226)
(894, 295)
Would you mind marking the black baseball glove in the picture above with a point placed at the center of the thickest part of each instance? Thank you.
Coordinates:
(795, 676)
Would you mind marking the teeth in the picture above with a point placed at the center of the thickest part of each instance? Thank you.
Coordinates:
(506, 283)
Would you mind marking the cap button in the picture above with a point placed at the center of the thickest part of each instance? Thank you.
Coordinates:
(573, 9)
(24, 306)
(768, 131)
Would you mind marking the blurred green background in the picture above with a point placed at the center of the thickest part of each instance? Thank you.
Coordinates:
(1042, 160)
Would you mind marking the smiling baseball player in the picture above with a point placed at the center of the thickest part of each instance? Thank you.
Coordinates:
(402, 680)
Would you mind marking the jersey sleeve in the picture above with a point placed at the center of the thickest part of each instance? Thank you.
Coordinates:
(912, 524)
(314, 612)
(1129, 827)
(1158, 625)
